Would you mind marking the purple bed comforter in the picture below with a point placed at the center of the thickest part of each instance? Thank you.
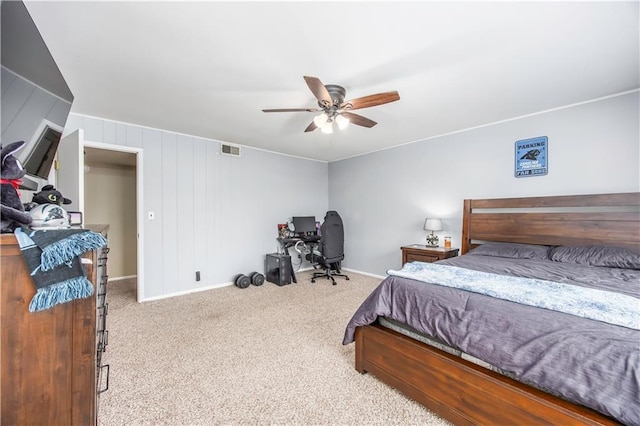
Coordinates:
(588, 362)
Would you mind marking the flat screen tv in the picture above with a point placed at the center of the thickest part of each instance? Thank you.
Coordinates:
(43, 153)
(36, 99)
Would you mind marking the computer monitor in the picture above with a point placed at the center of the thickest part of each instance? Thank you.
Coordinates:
(304, 224)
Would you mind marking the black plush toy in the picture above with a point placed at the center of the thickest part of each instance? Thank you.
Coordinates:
(50, 195)
(13, 214)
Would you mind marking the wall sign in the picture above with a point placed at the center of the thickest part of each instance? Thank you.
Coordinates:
(531, 157)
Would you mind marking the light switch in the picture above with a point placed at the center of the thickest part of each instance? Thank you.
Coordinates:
(151, 215)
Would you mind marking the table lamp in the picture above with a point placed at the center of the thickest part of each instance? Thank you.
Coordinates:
(432, 225)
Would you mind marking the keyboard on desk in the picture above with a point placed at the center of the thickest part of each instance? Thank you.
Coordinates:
(290, 242)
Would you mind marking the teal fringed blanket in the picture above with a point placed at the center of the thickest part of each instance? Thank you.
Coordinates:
(599, 305)
(52, 258)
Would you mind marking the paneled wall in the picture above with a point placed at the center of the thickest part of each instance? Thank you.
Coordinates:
(384, 197)
(213, 213)
(23, 107)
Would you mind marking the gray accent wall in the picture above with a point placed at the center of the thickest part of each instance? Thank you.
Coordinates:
(26, 54)
(214, 213)
(384, 197)
(218, 214)
(24, 106)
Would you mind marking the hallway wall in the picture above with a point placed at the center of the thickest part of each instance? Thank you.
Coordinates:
(110, 198)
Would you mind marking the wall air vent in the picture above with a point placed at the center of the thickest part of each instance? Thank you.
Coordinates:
(230, 150)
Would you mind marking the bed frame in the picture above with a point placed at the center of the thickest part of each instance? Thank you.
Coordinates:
(461, 391)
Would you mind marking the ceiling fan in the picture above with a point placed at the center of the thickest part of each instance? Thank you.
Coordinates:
(333, 107)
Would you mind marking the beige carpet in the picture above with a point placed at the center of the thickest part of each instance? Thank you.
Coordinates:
(260, 355)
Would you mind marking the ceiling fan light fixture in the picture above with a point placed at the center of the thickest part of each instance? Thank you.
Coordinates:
(320, 119)
(332, 105)
(327, 128)
(342, 122)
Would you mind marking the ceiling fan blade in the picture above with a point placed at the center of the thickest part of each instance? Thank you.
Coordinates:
(319, 91)
(371, 100)
(311, 127)
(291, 110)
(358, 119)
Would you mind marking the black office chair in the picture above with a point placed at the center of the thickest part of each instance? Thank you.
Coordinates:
(330, 249)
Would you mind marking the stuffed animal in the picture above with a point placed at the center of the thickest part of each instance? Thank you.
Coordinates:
(13, 213)
(48, 195)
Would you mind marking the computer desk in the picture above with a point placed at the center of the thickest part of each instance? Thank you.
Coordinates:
(287, 243)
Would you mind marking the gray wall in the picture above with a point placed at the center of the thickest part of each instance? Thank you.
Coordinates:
(25, 52)
(384, 197)
(218, 214)
(213, 213)
(24, 106)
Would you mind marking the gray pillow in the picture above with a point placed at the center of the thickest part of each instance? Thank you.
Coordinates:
(512, 250)
(608, 256)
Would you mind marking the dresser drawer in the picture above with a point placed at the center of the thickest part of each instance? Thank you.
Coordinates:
(421, 257)
(421, 253)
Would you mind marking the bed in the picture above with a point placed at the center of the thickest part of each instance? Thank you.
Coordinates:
(478, 359)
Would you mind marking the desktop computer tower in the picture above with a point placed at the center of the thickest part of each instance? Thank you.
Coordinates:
(278, 268)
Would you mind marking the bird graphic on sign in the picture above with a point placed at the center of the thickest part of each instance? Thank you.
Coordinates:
(531, 155)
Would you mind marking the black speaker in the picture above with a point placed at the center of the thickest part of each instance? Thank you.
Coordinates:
(278, 268)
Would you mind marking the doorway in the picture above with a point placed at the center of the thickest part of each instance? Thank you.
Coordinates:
(113, 196)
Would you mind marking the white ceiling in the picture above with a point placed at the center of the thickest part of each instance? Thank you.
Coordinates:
(209, 68)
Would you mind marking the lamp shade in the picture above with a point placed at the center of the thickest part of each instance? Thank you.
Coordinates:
(320, 120)
(342, 122)
(327, 128)
(433, 224)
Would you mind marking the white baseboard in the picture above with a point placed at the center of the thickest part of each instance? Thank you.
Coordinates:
(230, 283)
(365, 273)
(347, 269)
(127, 277)
(182, 293)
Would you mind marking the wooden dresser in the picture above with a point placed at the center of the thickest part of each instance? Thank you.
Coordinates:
(49, 370)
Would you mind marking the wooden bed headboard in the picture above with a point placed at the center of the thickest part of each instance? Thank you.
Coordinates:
(607, 219)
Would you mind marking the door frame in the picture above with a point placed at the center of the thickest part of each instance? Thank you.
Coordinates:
(139, 205)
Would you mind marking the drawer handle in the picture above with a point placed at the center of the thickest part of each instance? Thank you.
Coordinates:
(104, 308)
(103, 339)
(101, 323)
(106, 388)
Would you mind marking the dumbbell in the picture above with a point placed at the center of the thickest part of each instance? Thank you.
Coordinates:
(242, 281)
(256, 278)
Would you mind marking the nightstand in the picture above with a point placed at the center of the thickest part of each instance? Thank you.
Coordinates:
(423, 253)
